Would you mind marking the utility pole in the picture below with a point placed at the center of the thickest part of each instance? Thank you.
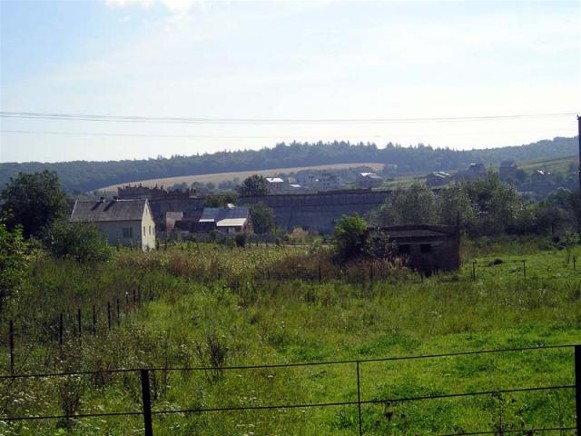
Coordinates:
(579, 138)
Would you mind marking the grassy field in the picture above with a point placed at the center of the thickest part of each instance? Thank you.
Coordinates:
(241, 175)
(207, 305)
(555, 166)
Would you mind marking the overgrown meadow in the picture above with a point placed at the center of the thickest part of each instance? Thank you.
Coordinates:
(202, 305)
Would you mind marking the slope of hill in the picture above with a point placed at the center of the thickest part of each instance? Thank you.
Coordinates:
(82, 176)
(241, 175)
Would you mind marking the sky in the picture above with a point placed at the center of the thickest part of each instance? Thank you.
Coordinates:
(138, 79)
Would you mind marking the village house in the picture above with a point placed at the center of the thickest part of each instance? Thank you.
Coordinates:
(368, 180)
(122, 222)
(438, 178)
(228, 220)
(426, 248)
(507, 169)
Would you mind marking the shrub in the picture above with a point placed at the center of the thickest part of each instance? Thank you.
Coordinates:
(79, 241)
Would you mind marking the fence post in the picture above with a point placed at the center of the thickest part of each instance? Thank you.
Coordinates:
(94, 320)
(524, 268)
(79, 322)
(578, 386)
(359, 400)
(11, 340)
(474, 271)
(61, 330)
(118, 313)
(109, 314)
(146, 399)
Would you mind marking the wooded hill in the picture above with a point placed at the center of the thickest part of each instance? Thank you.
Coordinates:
(83, 176)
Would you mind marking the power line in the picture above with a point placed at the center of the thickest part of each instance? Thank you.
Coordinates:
(203, 120)
(277, 137)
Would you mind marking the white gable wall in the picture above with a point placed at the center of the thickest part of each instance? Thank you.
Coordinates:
(147, 229)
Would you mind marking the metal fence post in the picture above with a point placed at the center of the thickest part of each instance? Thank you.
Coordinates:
(11, 340)
(359, 400)
(146, 399)
(79, 322)
(578, 386)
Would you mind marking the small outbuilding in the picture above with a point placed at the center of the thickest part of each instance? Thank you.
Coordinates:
(122, 222)
(230, 219)
(426, 248)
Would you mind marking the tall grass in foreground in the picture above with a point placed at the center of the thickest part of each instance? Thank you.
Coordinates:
(204, 305)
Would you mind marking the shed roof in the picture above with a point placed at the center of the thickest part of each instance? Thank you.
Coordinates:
(108, 211)
(232, 222)
(214, 214)
(418, 231)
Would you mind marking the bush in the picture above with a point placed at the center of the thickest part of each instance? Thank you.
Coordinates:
(79, 241)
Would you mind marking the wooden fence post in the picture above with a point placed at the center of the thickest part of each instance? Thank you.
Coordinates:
(61, 330)
(578, 386)
(146, 401)
(79, 322)
(11, 340)
(359, 400)
(94, 320)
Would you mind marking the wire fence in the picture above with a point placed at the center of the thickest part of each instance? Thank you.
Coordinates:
(362, 373)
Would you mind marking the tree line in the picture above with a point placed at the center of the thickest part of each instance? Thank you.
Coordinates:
(83, 176)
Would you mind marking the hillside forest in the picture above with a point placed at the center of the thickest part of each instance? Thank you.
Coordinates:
(82, 176)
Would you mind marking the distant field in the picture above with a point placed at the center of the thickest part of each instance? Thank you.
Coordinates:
(222, 177)
(558, 165)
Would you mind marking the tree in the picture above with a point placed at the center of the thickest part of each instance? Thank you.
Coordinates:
(262, 218)
(33, 201)
(220, 199)
(253, 186)
(498, 204)
(350, 237)
(414, 205)
(455, 203)
(79, 241)
(13, 263)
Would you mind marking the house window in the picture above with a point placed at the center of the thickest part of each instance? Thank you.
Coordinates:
(127, 232)
(404, 249)
(143, 230)
(150, 230)
(425, 248)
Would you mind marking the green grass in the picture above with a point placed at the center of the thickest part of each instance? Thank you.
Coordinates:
(206, 305)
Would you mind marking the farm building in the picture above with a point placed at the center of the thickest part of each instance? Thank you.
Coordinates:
(228, 220)
(427, 248)
(123, 222)
(368, 180)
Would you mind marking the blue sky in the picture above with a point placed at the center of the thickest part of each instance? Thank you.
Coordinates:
(331, 60)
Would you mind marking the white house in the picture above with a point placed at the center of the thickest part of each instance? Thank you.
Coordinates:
(123, 222)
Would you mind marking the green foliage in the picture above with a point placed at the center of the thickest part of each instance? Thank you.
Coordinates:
(14, 264)
(255, 185)
(220, 199)
(262, 218)
(33, 201)
(415, 205)
(86, 176)
(350, 237)
(79, 241)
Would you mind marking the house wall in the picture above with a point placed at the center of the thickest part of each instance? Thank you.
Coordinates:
(147, 229)
(142, 233)
(114, 232)
(443, 254)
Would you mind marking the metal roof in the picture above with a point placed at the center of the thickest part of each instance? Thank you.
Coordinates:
(214, 214)
(108, 211)
(231, 222)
